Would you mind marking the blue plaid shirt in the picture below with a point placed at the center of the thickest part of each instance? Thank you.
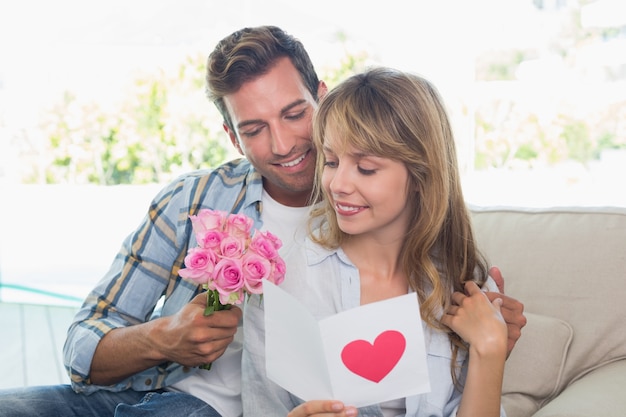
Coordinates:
(149, 260)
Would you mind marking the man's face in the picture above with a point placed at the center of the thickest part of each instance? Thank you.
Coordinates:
(272, 118)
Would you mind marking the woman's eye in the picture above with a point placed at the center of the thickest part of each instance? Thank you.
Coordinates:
(330, 164)
(364, 171)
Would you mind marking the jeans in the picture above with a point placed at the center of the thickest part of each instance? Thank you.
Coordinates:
(62, 401)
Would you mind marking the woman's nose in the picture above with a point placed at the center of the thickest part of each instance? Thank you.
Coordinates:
(341, 181)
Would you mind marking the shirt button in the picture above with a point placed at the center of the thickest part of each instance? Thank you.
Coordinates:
(148, 382)
(186, 369)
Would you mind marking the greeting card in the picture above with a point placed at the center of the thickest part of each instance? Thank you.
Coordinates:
(361, 356)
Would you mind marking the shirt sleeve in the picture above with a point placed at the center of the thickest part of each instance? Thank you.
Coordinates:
(128, 293)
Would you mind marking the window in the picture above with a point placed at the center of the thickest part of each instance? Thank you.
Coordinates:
(534, 88)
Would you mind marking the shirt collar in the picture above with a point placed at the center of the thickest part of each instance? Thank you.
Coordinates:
(316, 254)
(254, 187)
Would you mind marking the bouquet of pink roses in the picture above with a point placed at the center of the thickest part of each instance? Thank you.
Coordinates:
(231, 258)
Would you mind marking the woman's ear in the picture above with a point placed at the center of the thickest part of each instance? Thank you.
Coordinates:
(414, 186)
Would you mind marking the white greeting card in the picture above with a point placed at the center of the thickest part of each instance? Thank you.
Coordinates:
(362, 356)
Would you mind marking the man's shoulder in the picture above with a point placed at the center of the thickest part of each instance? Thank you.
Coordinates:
(229, 174)
(217, 188)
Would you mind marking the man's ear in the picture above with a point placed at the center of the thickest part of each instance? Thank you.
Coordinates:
(322, 89)
(233, 138)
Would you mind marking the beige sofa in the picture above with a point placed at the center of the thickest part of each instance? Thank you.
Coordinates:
(568, 267)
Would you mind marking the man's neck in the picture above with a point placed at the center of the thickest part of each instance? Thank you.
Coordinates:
(290, 199)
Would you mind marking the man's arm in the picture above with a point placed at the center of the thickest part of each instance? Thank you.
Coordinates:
(113, 337)
(188, 338)
(512, 310)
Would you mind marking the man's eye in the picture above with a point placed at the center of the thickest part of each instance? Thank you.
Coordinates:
(297, 116)
(251, 133)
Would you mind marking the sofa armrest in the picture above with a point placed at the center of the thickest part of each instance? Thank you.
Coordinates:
(599, 393)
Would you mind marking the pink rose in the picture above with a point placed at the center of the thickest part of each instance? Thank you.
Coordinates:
(255, 269)
(228, 260)
(278, 271)
(232, 247)
(273, 238)
(263, 246)
(210, 239)
(239, 225)
(199, 265)
(207, 219)
(232, 298)
(228, 278)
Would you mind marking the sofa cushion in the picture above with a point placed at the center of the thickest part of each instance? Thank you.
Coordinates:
(519, 405)
(568, 263)
(535, 366)
(599, 393)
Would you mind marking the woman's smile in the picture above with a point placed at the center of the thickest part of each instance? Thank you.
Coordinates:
(344, 209)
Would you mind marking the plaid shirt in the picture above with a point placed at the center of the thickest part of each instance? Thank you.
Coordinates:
(145, 270)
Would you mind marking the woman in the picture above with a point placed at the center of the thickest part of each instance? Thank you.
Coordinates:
(391, 220)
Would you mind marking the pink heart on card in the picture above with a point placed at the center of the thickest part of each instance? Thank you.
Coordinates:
(374, 361)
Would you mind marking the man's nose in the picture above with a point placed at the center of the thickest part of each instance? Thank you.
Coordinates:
(282, 141)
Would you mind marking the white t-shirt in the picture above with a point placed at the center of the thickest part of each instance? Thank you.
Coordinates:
(288, 223)
(221, 386)
(393, 408)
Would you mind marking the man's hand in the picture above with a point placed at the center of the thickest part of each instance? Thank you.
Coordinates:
(512, 310)
(323, 408)
(191, 338)
(187, 337)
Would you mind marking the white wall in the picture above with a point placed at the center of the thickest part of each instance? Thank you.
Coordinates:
(61, 239)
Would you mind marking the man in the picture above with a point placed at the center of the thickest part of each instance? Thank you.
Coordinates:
(132, 362)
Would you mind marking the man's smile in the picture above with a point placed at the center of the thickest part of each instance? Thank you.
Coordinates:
(294, 162)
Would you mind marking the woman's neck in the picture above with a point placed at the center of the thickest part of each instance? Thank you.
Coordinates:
(381, 274)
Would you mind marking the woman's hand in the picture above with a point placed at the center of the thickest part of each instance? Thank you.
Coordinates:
(477, 320)
(323, 408)
(480, 323)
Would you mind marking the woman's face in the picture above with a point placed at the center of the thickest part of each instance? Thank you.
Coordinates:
(369, 193)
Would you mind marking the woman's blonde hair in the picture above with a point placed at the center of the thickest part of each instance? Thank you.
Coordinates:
(398, 115)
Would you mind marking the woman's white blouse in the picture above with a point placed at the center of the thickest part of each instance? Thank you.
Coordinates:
(326, 283)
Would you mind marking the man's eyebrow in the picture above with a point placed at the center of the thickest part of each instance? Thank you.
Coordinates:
(248, 122)
(284, 110)
(292, 105)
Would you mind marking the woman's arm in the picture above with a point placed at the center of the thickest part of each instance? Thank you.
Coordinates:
(479, 322)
